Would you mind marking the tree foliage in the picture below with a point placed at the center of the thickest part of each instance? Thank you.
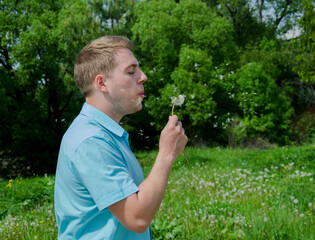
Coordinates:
(306, 56)
(39, 43)
(229, 57)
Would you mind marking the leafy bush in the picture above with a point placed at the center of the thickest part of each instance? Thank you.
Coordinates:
(266, 110)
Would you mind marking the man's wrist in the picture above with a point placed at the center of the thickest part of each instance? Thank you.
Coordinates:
(167, 160)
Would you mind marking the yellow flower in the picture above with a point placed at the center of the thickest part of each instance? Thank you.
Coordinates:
(9, 185)
(10, 180)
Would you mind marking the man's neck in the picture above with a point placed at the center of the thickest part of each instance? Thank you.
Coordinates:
(102, 105)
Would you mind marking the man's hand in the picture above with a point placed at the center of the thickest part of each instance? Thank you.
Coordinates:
(173, 139)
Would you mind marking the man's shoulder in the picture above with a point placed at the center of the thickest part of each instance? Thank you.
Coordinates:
(84, 129)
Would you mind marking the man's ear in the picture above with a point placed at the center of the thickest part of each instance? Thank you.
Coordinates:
(100, 83)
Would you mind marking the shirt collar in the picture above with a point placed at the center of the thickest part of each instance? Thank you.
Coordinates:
(103, 119)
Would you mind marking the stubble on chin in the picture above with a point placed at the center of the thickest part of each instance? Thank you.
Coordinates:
(136, 105)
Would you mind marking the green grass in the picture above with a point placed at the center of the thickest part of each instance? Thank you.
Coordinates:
(223, 194)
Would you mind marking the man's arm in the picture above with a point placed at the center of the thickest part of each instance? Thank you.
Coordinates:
(137, 211)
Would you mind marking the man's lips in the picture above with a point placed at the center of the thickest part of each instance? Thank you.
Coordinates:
(141, 94)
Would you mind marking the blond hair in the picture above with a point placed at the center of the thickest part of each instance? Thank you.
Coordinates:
(98, 57)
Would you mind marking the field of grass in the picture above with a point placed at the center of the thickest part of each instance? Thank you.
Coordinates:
(223, 194)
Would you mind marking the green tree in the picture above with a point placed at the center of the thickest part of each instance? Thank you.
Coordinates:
(280, 15)
(117, 15)
(185, 47)
(241, 13)
(266, 109)
(306, 43)
(38, 45)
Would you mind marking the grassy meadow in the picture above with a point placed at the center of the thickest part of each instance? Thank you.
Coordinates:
(223, 194)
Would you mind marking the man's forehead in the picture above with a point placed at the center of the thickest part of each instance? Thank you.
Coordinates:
(126, 58)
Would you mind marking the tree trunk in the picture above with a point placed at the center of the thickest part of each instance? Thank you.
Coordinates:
(260, 5)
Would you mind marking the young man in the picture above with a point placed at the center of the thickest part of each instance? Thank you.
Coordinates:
(100, 191)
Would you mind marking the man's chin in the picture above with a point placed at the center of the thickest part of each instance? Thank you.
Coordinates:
(136, 109)
(139, 107)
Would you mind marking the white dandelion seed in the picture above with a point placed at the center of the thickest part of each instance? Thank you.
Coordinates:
(178, 101)
(139, 100)
(296, 201)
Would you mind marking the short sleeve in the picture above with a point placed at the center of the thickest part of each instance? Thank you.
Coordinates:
(102, 170)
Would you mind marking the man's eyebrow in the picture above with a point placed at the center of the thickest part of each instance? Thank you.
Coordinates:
(133, 65)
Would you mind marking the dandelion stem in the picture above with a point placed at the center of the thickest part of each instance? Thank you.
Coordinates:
(186, 158)
(184, 150)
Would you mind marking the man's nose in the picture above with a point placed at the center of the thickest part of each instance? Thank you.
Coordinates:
(143, 78)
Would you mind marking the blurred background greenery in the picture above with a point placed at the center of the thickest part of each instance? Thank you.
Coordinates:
(246, 68)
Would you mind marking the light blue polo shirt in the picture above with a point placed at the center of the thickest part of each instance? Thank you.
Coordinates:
(95, 169)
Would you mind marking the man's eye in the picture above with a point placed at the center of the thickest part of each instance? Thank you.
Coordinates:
(131, 73)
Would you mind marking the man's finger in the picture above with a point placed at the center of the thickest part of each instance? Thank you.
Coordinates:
(173, 120)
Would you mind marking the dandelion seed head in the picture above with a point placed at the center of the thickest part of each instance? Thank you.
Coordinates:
(178, 100)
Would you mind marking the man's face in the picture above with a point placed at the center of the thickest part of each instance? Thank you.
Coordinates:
(125, 84)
